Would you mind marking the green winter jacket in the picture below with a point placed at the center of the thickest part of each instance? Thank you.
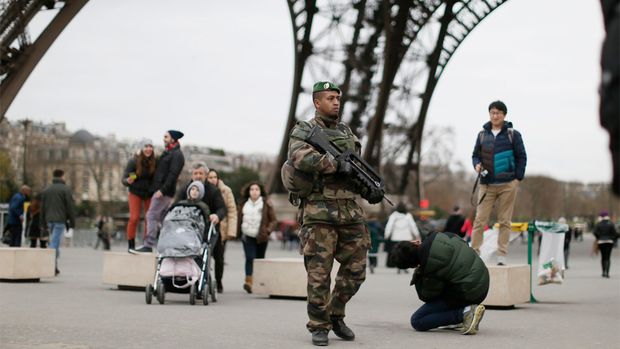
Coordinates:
(450, 270)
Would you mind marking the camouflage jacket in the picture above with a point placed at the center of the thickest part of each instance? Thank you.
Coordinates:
(334, 198)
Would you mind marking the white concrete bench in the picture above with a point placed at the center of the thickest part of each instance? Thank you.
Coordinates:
(283, 277)
(22, 263)
(129, 270)
(510, 285)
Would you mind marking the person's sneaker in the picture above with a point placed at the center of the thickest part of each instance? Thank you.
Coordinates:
(342, 330)
(143, 249)
(319, 337)
(220, 287)
(457, 327)
(501, 260)
(56, 272)
(471, 319)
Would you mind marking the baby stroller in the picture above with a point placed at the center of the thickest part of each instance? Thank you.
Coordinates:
(184, 253)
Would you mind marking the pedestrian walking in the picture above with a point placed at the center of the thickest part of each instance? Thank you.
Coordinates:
(399, 227)
(16, 215)
(567, 239)
(103, 235)
(138, 177)
(377, 232)
(57, 211)
(333, 222)
(499, 157)
(606, 236)
(468, 227)
(214, 201)
(455, 221)
(257, 219)
(33, 229)
(228, 226)
(163, 186)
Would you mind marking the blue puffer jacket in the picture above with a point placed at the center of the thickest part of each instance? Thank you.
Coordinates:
(16, 209)
(503, 159)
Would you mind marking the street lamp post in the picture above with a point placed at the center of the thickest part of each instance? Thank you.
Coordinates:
(25, 123)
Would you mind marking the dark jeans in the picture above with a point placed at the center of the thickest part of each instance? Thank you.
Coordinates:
(435, 314)
(605, 256)
(16, 235)
(253, 250)
(218, 257)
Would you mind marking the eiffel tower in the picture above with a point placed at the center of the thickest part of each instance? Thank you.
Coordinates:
(387, 56)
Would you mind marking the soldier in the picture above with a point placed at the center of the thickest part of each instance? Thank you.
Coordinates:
(333, 223)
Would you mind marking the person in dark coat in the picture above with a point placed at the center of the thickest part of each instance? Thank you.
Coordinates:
(33, 230)
(16, 215)
(455, 222)
(449, 277)
(606, 236)
(609, 89)
(57, 211)
(138, 177)
(164, 184)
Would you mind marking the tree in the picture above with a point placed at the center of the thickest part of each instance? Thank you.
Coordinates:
(238, 178)
(7, 175)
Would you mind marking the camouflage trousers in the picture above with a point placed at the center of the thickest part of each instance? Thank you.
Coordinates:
(321, 244)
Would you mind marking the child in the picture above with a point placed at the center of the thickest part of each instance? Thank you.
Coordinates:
(195, 193)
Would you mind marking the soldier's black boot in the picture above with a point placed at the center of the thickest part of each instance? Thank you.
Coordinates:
(319, 337)
(342, 330)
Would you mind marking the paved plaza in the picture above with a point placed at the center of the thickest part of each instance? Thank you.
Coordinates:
(75, 310)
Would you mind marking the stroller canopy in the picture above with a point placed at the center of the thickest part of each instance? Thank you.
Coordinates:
(182, 231)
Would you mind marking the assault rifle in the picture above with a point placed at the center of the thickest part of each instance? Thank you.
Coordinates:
(373, 186)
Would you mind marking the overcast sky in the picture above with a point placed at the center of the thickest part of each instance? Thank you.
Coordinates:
(221, 71)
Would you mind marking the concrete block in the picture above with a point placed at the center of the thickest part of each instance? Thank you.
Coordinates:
(129, 270)
(510, 285)
(283, 277)
(21, 263)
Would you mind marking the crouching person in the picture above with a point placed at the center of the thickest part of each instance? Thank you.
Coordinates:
(449, 277)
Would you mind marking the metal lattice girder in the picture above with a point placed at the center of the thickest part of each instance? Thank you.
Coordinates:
(20, 60)
(467, 15)
(329, 35)
(449, 32)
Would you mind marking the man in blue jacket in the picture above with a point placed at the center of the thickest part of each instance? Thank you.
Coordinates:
(499, 157)
(16, 215)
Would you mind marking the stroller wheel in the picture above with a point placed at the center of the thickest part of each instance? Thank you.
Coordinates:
(192, 294)
(149, 293)
(205, 294)
(161, 292)
(212, 291)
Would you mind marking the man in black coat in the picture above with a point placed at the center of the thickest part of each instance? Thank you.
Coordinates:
(164, 184)
(455, 222)
(218, 211)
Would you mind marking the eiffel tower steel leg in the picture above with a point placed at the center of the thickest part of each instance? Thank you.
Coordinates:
(33, 53)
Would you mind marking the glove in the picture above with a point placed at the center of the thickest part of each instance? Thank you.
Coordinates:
(374, 196)
(344, 166)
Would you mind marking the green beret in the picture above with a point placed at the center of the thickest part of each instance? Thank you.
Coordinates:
(325, 86)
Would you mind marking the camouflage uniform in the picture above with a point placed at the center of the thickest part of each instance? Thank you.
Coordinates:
(333, 224)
